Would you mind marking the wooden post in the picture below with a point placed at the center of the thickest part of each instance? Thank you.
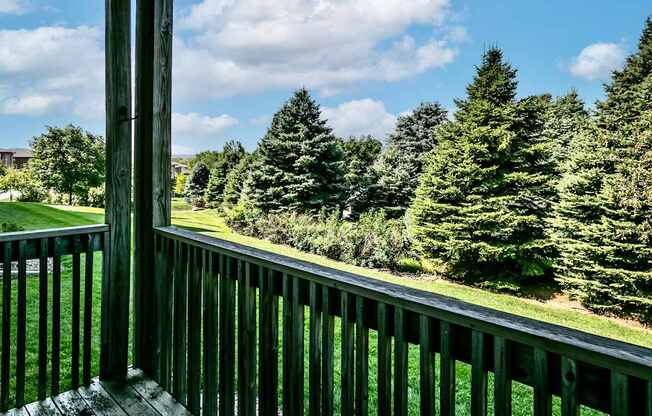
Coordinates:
(145, 305)
(115, 286)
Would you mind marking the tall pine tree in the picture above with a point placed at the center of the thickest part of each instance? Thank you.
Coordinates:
(398, 169)
(603, 221)
(483, 198)
(300, 163)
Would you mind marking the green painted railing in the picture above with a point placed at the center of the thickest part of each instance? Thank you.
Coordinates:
(222, 341)
(48, 247)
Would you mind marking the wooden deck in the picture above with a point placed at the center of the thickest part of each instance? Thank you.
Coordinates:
(140, 395)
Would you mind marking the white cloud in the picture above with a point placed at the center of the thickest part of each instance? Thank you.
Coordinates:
(179, 150)
(12, 7)
(228, 47)
(33, 105)
(199, 126)
(360, 117)
(52, 68)
(597, 61)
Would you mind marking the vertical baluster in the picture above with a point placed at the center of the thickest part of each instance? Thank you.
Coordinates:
(179, 353)
(6, 326)
(246, 340)
(648, 409)
(400, 363)
(478, 376)
(427, 367)
(21, 323)
(447, 370)
(348, 365)
(287, 343)
(619, 394)
(43, 320)
(194, 330)
(56, 319)
(88, 310)
(296, 365)
(227, 338)
(169, 268)
(211, 318)
(76, 303)
(542, 395)
(569, 403)
(384, 362)
(315, 351)
(361, 360)
(328, 349)
(502, 382)
(268, 343)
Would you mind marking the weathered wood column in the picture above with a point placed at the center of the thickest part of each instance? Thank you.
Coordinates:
(116, 283)
(144, 303)
(153, 142)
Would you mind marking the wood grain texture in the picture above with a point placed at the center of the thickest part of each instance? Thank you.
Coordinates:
(88, 309)
(314, 352)
(384, 362)
(21, 325)
(478, 376)
(6, 327)
(194, 331)
(246, 341)
(328, 352)
(502, 381)
(447, 369)
(180, 325)
(361, 359)
(145, 305)
(348, 358)
(116, 284)
(268, 378)
(55, 360)
(569, 376)
(211, 331)
(227, 338)
(542, 395)
(43, 320)
(400, 363)
(619, 394)
(427, 367)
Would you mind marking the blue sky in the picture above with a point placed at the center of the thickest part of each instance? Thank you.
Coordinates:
(366, 61)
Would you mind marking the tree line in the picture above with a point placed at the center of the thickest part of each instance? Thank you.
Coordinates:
(521, 190)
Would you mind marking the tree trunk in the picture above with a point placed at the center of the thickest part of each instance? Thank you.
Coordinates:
(70, 198)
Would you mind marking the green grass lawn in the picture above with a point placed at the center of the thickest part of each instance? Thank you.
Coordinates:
(37, 216)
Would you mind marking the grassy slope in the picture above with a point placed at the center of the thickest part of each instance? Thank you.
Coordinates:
(34, 216)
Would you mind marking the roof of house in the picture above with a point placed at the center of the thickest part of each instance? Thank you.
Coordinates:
(17, 152)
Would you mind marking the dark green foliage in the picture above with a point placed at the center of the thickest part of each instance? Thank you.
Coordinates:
(627, 94)
(230, 156)
(208, 157)
(3, 170)
(197, 184)
(566, 118)
(359, 154)
(603, 221)
(398, 169)
(69, 160)
(372, 241)
(236, 180)
(485, 193)
(10, 227)
(300, 164)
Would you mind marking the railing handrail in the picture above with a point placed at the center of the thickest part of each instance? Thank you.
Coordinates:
(600, 351)
(53, 232)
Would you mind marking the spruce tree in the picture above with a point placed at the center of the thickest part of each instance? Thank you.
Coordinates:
(197, 184)
(359, 154)
(484, 195)
(236, 180)
(398, 169)
(603, 221)
(230, 156)
(566, 118)
(299, 166)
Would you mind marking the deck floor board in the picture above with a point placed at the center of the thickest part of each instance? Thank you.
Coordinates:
(138, 396)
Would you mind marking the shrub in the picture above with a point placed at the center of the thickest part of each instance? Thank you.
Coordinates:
(10, 227)
(373, 241)
(96, 197)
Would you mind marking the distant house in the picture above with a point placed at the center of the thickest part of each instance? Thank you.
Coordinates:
(179, 169)
(15, 158)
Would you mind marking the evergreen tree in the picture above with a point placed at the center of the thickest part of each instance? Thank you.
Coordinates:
(566, 118)
(236, 180)
(603, 221)
(300, 163)
(197, 184)
(401, 164)
(359, 154)
(484, 195)
(627, 95)
(230, 156)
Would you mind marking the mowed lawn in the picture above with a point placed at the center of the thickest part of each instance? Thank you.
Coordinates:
(38, 216)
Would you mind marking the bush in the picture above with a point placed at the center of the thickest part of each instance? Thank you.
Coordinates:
(373, 241)
(10, 228)
(96, 197)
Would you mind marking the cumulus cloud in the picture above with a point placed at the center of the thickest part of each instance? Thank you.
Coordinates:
(229, 47)
(52, 69)
(360, 117)
(12, 7)
(199, 126)
(597, 61)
